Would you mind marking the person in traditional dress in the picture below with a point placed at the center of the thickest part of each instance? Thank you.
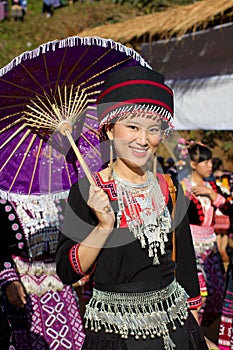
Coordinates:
(17, 10)
(225, 335)
(223, 224)
(43, 313)
(224, 228)
(47, 8)
(120, 229)
(205, 198)
(181, 159)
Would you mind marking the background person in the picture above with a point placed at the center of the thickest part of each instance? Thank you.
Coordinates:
(43, 313)
(205, 197)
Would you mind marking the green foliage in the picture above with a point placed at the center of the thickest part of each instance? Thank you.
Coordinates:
(212, 138)
(220, 141)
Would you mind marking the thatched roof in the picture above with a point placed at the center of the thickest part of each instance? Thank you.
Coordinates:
(175, 21)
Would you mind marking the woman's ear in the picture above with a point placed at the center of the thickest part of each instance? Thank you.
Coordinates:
(193, 164)
(109, 131)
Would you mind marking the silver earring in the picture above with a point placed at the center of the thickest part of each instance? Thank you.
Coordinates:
(155, 166)
(110, 165)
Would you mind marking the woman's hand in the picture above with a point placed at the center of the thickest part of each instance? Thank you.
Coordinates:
(211, 345)
(98, 201)
(90, 247)
(16, 294)
(202, 190)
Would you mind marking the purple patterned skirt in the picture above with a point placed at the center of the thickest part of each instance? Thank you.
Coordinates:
(48, 322)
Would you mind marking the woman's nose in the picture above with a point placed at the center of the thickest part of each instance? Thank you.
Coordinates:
(142, 137)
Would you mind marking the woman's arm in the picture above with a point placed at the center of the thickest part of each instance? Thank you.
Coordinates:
(86, 227)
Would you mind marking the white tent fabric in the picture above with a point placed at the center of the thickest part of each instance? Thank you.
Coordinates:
(203, 103)
(199, 68)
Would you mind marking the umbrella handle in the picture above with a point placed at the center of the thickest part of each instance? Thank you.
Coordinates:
(79, 156)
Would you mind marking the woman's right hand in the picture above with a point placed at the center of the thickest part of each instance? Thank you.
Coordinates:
(16, 294)
(98, 201)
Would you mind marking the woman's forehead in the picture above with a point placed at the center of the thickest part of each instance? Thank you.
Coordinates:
(140, 119)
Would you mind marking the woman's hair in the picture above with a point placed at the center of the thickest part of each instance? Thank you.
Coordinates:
(217, 163)
(199, 153)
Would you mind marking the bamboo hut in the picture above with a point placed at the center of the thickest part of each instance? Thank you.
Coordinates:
(192, 46)
(175, 21)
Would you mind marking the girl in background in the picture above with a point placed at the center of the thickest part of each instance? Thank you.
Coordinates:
(205, 197)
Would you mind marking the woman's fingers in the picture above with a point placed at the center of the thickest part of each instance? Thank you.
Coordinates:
(98, 200)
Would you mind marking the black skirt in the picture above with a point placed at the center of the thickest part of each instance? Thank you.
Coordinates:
(187, 337)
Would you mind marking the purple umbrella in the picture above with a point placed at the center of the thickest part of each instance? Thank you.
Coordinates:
(48, 120)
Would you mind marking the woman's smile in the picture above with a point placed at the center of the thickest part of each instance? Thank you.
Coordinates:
(139, 152)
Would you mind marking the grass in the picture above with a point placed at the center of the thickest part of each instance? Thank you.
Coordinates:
(17, 37)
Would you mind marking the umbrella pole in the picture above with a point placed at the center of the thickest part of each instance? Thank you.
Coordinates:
(79, 156)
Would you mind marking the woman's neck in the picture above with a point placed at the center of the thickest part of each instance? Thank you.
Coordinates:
(196, 178)
(133, 175)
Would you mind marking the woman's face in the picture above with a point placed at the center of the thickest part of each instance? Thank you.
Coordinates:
(204, 169)
(136, 139)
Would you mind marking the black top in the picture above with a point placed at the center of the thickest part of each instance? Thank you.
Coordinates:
(15, 241)
(122, 260)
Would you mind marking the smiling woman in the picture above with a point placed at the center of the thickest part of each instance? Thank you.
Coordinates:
(121, 229)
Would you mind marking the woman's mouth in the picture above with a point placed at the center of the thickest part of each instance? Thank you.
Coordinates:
(139, 152)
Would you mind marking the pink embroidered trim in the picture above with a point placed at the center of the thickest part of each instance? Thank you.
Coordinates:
(202, 284)
(220, 200)
(75, 263)
(8, 275)
(204, 232)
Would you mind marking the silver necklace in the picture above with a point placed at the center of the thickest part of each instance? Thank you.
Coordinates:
(146, 213)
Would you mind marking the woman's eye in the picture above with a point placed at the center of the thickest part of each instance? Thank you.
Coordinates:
(154, 130)
(133, 127)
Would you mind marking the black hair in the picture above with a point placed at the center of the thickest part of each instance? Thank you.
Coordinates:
(217, 162)
(199, 153)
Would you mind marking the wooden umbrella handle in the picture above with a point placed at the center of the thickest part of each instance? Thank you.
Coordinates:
(80, 157)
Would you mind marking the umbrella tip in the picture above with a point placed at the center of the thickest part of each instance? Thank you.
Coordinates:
(64, 126)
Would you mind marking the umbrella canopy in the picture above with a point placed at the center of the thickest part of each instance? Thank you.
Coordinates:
(47, 103)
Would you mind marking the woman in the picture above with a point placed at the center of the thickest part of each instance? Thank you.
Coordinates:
(38, 306)
(224, 229)
(205, 198)
(223, 224)
(119, 230)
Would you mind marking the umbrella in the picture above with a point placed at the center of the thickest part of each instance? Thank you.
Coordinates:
(48, 116)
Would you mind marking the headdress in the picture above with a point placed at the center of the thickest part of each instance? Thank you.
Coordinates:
(136, 89)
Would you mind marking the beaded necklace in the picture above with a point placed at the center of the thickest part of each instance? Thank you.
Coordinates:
(146, 213)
